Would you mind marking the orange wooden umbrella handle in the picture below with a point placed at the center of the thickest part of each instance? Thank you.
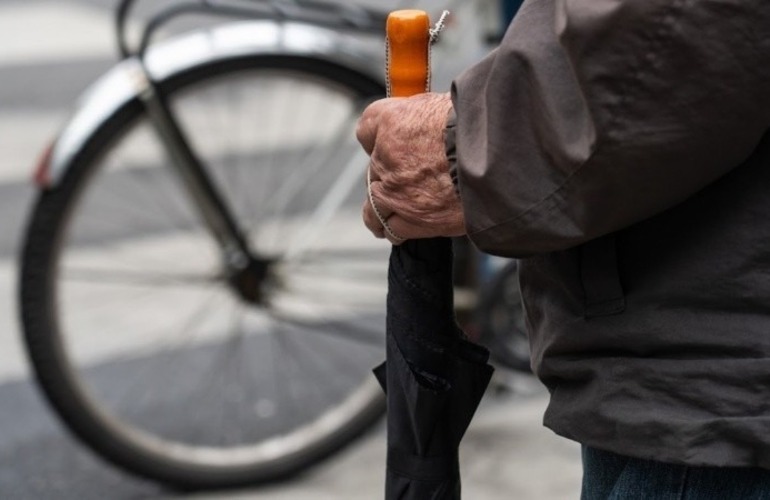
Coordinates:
(408, 52)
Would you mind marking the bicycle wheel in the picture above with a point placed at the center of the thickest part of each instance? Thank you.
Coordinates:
(502, 326)
(136, 337)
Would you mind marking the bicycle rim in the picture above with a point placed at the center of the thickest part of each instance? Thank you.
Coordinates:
(137, 337)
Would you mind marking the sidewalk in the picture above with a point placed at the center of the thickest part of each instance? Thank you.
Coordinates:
(506, 454)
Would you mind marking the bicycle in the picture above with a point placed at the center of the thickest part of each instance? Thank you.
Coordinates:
(142, 212)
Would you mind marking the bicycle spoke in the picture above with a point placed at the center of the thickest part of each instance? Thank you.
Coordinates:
(242, 379)
(360, 331)
(269, 168)
(328, 207)
(185, 329)
(317, 391)
(329, 358)
(313, 162)
(176, 373)
(136, 297)
(284, 366)
(114, 197)
(168, 202)
(135, 278)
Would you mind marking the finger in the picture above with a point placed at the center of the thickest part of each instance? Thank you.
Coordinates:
(387, 212)
(366, 129)
(368, 124)
(392, 236)
(408, 230)
(413, 230)
(382, 200)
(371, 221)
(378, 162)
(395, 241)
(372, 173)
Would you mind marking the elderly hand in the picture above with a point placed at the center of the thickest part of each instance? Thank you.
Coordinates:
(410, 182)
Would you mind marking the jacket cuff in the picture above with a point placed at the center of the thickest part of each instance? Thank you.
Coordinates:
(450, 147)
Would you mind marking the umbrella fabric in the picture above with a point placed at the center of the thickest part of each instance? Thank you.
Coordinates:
(433, 377)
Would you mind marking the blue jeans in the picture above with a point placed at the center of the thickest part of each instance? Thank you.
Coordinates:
(607, 476)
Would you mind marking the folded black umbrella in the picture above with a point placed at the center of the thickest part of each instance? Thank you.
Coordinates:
(433, 377)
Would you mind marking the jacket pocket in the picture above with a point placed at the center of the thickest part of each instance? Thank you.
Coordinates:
(599, 274)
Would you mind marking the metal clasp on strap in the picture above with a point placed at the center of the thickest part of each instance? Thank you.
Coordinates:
(436, 30)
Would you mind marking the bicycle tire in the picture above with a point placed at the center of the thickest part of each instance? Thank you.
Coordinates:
(46, 240)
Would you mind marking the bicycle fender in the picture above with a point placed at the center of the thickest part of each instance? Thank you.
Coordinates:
(126, 81)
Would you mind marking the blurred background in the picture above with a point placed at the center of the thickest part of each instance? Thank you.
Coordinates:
(49, 52)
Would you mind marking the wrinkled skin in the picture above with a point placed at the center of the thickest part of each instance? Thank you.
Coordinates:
(411, 185)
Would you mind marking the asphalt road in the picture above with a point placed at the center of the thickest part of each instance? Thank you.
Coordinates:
(50, 51)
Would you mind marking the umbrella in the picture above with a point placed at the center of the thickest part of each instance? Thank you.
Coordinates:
(433, 376)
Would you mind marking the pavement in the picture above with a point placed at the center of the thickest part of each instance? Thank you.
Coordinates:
(50, 50)
(505, 455)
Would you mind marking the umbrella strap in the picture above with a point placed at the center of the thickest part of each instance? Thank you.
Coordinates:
(438, 468)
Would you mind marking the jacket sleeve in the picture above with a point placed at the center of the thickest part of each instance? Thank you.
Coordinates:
(595, 114)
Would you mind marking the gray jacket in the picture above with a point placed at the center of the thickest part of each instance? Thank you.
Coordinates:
(621, 149)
